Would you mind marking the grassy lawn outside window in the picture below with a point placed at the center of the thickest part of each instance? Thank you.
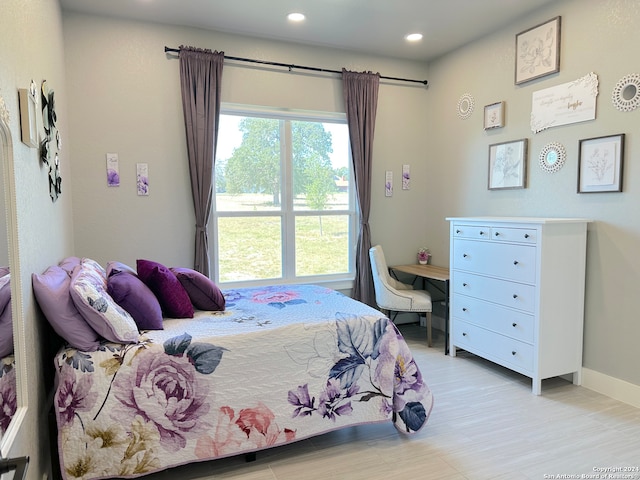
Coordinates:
(284, 207)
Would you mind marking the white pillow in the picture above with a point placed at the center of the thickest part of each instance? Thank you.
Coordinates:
(88, 291)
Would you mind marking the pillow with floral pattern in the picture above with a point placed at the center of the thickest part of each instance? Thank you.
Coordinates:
(88, 291)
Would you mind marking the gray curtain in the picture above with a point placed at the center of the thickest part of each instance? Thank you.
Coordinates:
(200, 78)
(361, 102)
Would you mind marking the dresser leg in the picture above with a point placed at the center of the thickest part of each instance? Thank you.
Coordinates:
(577, 377)
(536, 387)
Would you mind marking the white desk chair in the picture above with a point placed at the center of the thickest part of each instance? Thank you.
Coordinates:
(395, 296)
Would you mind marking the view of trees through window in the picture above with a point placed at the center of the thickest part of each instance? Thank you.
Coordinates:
(284, 208)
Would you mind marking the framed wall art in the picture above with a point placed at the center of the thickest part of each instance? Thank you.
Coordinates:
(494, 115)
(28, 127)
(388, 183)
(508, 165)
(538, 51)
(600, 162)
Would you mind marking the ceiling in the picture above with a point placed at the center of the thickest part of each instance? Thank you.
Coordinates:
(367, 26)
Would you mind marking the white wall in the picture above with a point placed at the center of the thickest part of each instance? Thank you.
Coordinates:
(125, 98)
(31, 48)
(597, 36)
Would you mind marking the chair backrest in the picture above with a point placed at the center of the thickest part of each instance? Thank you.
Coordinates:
(384, 285)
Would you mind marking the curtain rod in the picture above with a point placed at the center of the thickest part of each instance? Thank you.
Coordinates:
(300, 67)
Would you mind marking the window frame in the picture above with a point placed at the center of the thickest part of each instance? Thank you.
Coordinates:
(287, 214)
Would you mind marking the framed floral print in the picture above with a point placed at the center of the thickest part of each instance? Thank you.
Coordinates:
(600, 162)
(508, 165)
(538, 51)
(494, 115)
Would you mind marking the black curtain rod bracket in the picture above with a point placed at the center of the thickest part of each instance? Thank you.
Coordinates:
(300, 67)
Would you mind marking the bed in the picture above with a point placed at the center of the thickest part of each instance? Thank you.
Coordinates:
(279, 364)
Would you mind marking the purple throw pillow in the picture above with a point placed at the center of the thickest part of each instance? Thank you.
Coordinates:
(173, 298)
(128, 291)
(204, 294)
(6, 321)
(117, 267)
(52, 293)
(5, 292)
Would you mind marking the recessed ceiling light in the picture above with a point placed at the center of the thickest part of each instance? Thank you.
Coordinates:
(413, 37)
(296, 17)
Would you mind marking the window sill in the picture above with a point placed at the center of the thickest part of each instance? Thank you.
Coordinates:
(342, 285)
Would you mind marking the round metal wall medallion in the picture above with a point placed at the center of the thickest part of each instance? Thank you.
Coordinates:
(626, 93)
(552, 157)
(465, 106)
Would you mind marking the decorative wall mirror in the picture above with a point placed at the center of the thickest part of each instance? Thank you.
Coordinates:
(552, 157)
(626, 93)
(12, 365)
(465, 106)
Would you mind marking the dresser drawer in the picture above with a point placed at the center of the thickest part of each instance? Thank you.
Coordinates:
(510, 234)
(512, 323)
(508, 261)
(496, 347)
(509, 294)
(471, 231)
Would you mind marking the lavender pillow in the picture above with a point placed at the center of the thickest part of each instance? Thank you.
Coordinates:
(5, 292)
(6, 332)
(204, 294)
(128, 291)
(52, 293)
(89, 294)
(173, 298)
(4, 271)
(69, 263)
(6, 318)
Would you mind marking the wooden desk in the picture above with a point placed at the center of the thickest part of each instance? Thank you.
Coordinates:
(431, 272)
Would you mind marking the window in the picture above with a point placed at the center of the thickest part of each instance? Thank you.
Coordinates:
(284, 207)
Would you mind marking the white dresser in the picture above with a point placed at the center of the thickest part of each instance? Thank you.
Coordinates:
(517, 293)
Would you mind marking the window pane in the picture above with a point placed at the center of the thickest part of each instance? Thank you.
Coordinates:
(320, 165)
(249, 248)
(322, 244)
(248, 164)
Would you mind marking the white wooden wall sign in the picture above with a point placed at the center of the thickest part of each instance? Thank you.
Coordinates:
(570, 102)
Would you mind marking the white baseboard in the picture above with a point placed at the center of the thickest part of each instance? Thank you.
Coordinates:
(611, 387)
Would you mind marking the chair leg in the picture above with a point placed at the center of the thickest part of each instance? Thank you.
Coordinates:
(429, 329)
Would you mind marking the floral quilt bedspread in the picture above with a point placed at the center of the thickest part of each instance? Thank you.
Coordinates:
(8, 399)
(280, 364)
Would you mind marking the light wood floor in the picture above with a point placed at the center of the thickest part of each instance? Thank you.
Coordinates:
(485, 424)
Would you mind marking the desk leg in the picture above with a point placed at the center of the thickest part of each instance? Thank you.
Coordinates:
(446, 317)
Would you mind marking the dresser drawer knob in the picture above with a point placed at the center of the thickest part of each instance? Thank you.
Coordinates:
(464, 255)
(497, 234)
(515, 262)
(513, 352)
(515, 295)
(464, 284)
(464, 334)
(481, 232)
(457, 231)
(514, 324)
(526, 235)
(464, 309)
